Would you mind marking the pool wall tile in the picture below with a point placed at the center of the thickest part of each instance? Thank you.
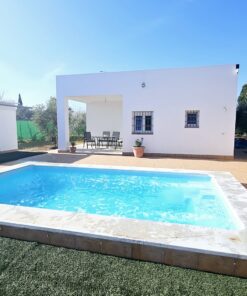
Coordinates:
(181, 258)
(218, 264)
(148, 253)
(62, 239)
(138, 251)
(241, 268)
(121, 249)
(88, 244)
(25, 233)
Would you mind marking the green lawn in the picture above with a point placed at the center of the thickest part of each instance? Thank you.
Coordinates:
(35, 269)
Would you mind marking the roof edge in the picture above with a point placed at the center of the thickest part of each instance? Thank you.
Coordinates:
(153, 69)
(8, 104)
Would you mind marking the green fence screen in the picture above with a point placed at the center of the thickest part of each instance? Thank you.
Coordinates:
(27, 130)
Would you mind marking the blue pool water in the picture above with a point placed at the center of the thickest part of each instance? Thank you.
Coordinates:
(158, 196)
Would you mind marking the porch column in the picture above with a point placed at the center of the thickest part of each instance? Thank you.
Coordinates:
(63, 123)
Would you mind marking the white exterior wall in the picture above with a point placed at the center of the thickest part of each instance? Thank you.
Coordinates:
(104, 116)
(169, 93)
(211, 90)
(8, 129)
(63, 123)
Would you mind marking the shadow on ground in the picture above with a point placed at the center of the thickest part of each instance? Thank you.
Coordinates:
(16, 155)
(47, 157)
(62, 157)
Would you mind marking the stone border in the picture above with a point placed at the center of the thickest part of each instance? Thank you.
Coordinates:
(182, 156)
(202, 248)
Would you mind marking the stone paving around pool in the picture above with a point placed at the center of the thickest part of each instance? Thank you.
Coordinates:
(237, 167)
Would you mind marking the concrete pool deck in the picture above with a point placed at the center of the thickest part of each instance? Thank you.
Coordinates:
(215, 250)
(237, 167)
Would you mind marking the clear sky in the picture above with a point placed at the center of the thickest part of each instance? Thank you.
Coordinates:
(41, 39)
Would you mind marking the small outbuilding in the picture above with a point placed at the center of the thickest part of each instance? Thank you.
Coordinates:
(8, 129)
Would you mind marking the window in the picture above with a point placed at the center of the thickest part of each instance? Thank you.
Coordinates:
(148, 123)
(138, 123)
(142, 122)
(192, 118)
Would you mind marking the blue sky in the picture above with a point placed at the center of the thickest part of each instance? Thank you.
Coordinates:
(41, 39)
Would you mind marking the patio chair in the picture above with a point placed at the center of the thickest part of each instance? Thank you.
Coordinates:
(119, 143)
(106, 134)
(105, 138)
(114, 139)
(88, 139)
(116, 135)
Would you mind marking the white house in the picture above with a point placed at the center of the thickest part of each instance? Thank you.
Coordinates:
(8, 129)
(184, 111)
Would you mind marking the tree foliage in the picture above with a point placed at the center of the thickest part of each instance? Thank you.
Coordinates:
(20, 103)
(241, 121)
(242, 99)
(24, 113)
(45, 116)
(1, 95)
(77, 123)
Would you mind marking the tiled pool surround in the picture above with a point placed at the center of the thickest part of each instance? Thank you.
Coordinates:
(215, 250)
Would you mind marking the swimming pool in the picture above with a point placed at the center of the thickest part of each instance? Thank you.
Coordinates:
(184, 198)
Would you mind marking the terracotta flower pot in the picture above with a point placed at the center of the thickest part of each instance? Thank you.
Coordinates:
(138, 151)
(72, 149)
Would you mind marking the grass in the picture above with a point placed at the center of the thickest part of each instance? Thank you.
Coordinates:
(35, 269)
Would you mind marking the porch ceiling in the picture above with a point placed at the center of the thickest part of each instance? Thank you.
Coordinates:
(97, 98)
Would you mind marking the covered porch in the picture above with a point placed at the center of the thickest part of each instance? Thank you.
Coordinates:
(103, 124)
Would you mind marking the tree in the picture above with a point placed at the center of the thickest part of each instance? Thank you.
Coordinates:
(241, 120)
(77, 123)
(45, 116)
(1, 95)
(20, 101)
(24, 113)
(242, 99)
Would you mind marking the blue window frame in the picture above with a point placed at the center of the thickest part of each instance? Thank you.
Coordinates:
(148, 123)
(142, 122)
(138, 123)
(192, 119)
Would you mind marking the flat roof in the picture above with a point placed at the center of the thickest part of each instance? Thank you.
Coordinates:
(152, 70)
(9, 104)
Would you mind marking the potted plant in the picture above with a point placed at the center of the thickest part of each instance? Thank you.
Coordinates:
(72, 147)
(138, 149)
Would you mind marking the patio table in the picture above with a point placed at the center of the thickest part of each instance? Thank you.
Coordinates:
(104, 139)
